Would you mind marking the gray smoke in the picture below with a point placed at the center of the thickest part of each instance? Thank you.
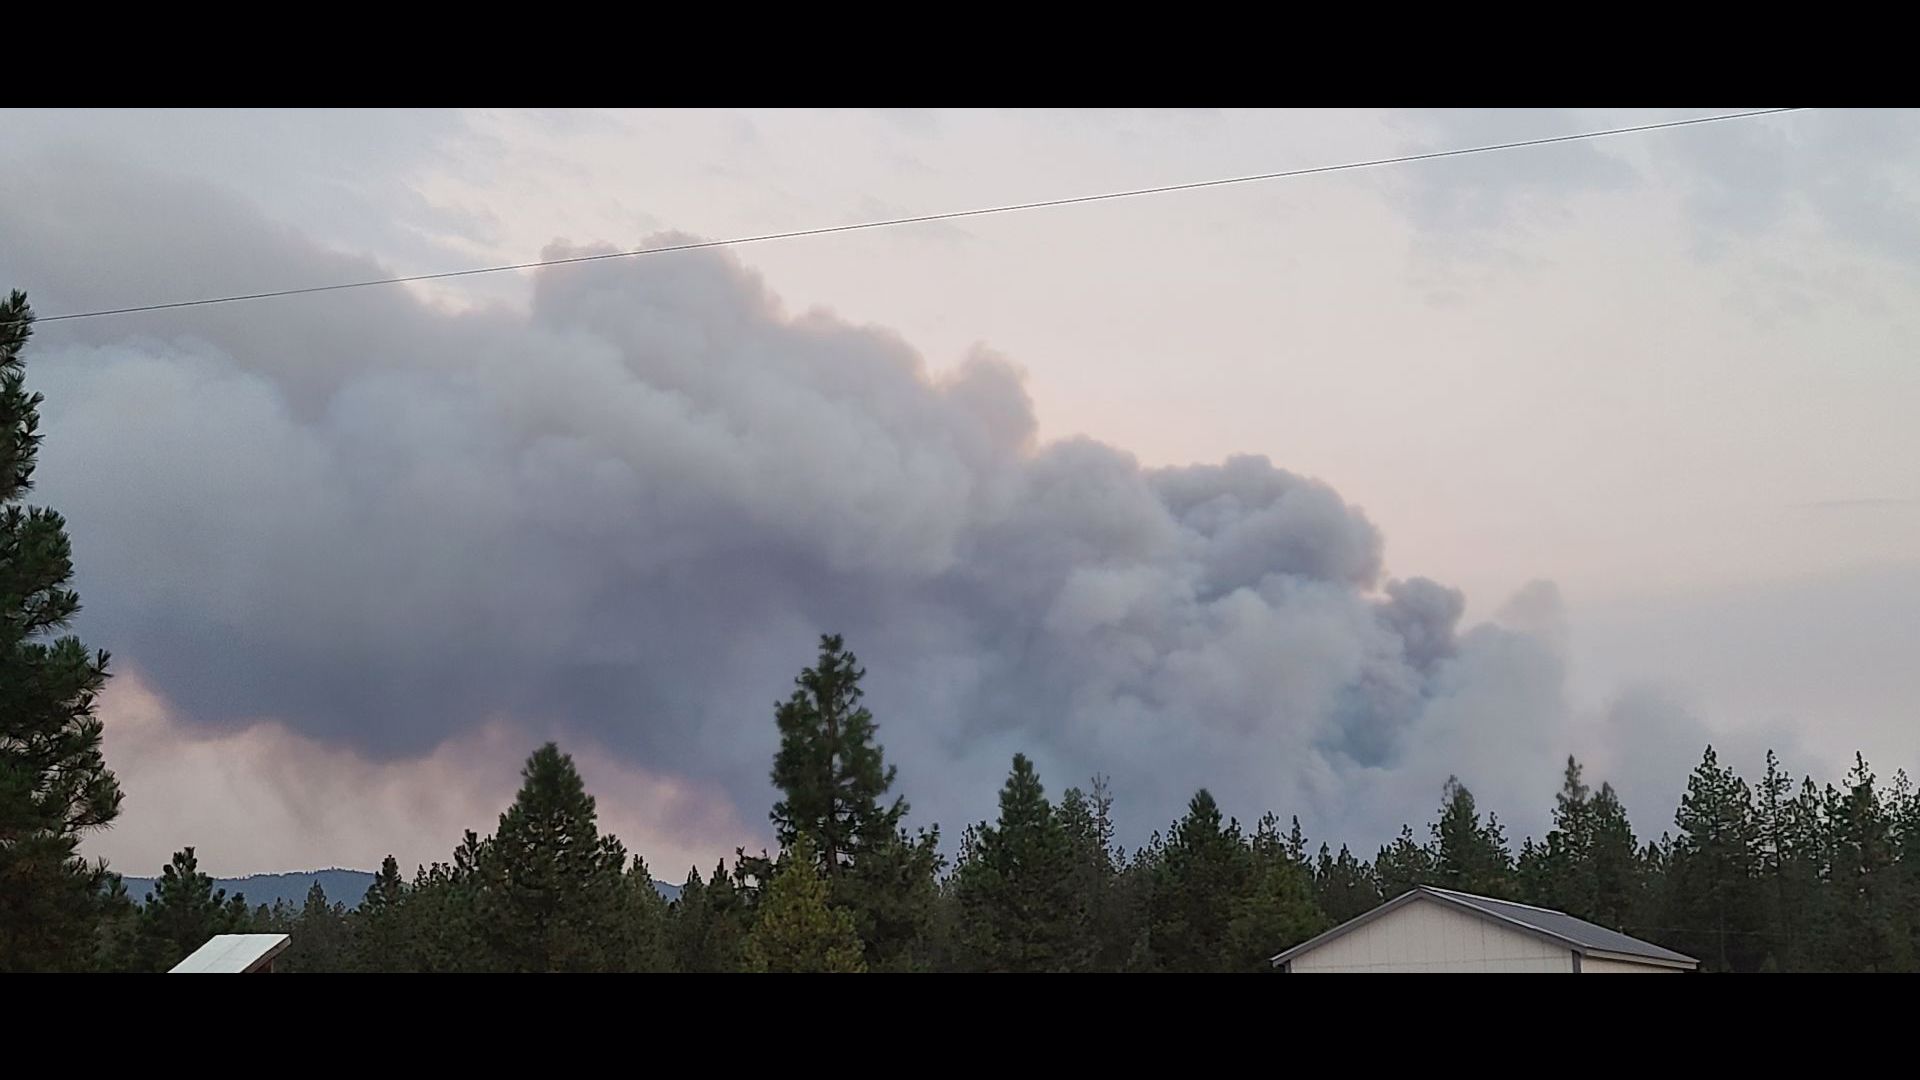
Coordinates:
(628, 512)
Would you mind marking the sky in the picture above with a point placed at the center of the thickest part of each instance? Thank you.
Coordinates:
(1312, 491)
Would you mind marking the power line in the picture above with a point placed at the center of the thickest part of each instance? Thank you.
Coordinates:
(921, 219)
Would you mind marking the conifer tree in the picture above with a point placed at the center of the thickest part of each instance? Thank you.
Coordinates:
(1470, 855)
(1782, 862)
(1712, 891)
(320, 936)
(1588, 866)
(1087, 819)
(1276, 910)
(707, 926)
(387, 889)
(795, 929)
(554, 891)
(1017, 887)
(832, 775)
(1613, 852)
(1344, 886)
(1869, 934)
(1562, 867)
(1135, 886)
(380, 933)
(647, 947)
(184, 912)
(54, 783)
(1203, 873)
(1402, 864)
(834, 783)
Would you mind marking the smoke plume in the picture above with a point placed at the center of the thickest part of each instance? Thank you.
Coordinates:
(624, 513)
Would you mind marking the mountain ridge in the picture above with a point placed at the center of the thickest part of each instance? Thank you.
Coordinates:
(340, 884)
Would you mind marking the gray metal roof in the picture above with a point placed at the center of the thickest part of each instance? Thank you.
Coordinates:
(232, 954)
(1577, 934)
(1587, 936)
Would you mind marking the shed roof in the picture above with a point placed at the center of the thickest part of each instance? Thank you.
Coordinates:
(1577, 934)
(233, 954)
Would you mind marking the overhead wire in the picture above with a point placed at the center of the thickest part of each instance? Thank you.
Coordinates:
(951, 215)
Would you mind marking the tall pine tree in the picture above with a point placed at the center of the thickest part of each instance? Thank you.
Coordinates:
(54, 783)
(1713, 893)
(1087, 818)
(834, 783)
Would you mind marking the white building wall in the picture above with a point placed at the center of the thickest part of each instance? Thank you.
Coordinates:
(1425, 935)
(1596, 964)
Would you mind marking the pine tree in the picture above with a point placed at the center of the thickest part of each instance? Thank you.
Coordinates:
(554, 892)
(388, 887)
(1403, 864)
(1468, 855)
(1783, 861)
(1903, 807)
(437, 923)
(707, 926)
(796, 930)
(321, 936)
(1087, 819)
(1277, 909)
(54, 783)
(1558, 873)
(1713, 895)
(184, 912)
(1588, 866)
(832, 775)
(1613, 853)
(834, 782)
(1344, 887)
(1135, 886)
(1016, 888)
(1203, 873)
(379, 931)
(647, 947)
(1869, 932)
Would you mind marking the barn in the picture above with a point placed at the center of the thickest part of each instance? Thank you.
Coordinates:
(1431, 929)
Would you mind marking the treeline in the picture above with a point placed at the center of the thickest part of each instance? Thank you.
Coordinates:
(1773, 876)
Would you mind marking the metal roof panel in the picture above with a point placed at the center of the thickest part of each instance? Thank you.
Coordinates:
(233, 954)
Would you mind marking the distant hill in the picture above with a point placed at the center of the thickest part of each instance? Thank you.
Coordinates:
(344, 886)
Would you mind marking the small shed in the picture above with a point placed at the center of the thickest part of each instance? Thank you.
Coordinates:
(234, 954)
(1439, 930)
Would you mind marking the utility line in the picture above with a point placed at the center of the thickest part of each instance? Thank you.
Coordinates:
(951, 215)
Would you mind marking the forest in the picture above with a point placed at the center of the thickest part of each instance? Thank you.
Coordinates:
(1778, 874)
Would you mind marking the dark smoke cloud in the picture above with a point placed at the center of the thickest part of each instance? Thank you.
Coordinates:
(626, 513)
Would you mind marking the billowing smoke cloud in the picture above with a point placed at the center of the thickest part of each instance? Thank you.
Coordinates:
(625, 514)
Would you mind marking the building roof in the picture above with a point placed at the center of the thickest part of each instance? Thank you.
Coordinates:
(1578, 935)
(233, 954)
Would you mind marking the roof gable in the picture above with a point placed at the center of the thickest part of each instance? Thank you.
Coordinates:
(1577, 935)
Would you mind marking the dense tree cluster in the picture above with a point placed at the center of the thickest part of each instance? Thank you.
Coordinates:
(1781, 876)
(1786, 877)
